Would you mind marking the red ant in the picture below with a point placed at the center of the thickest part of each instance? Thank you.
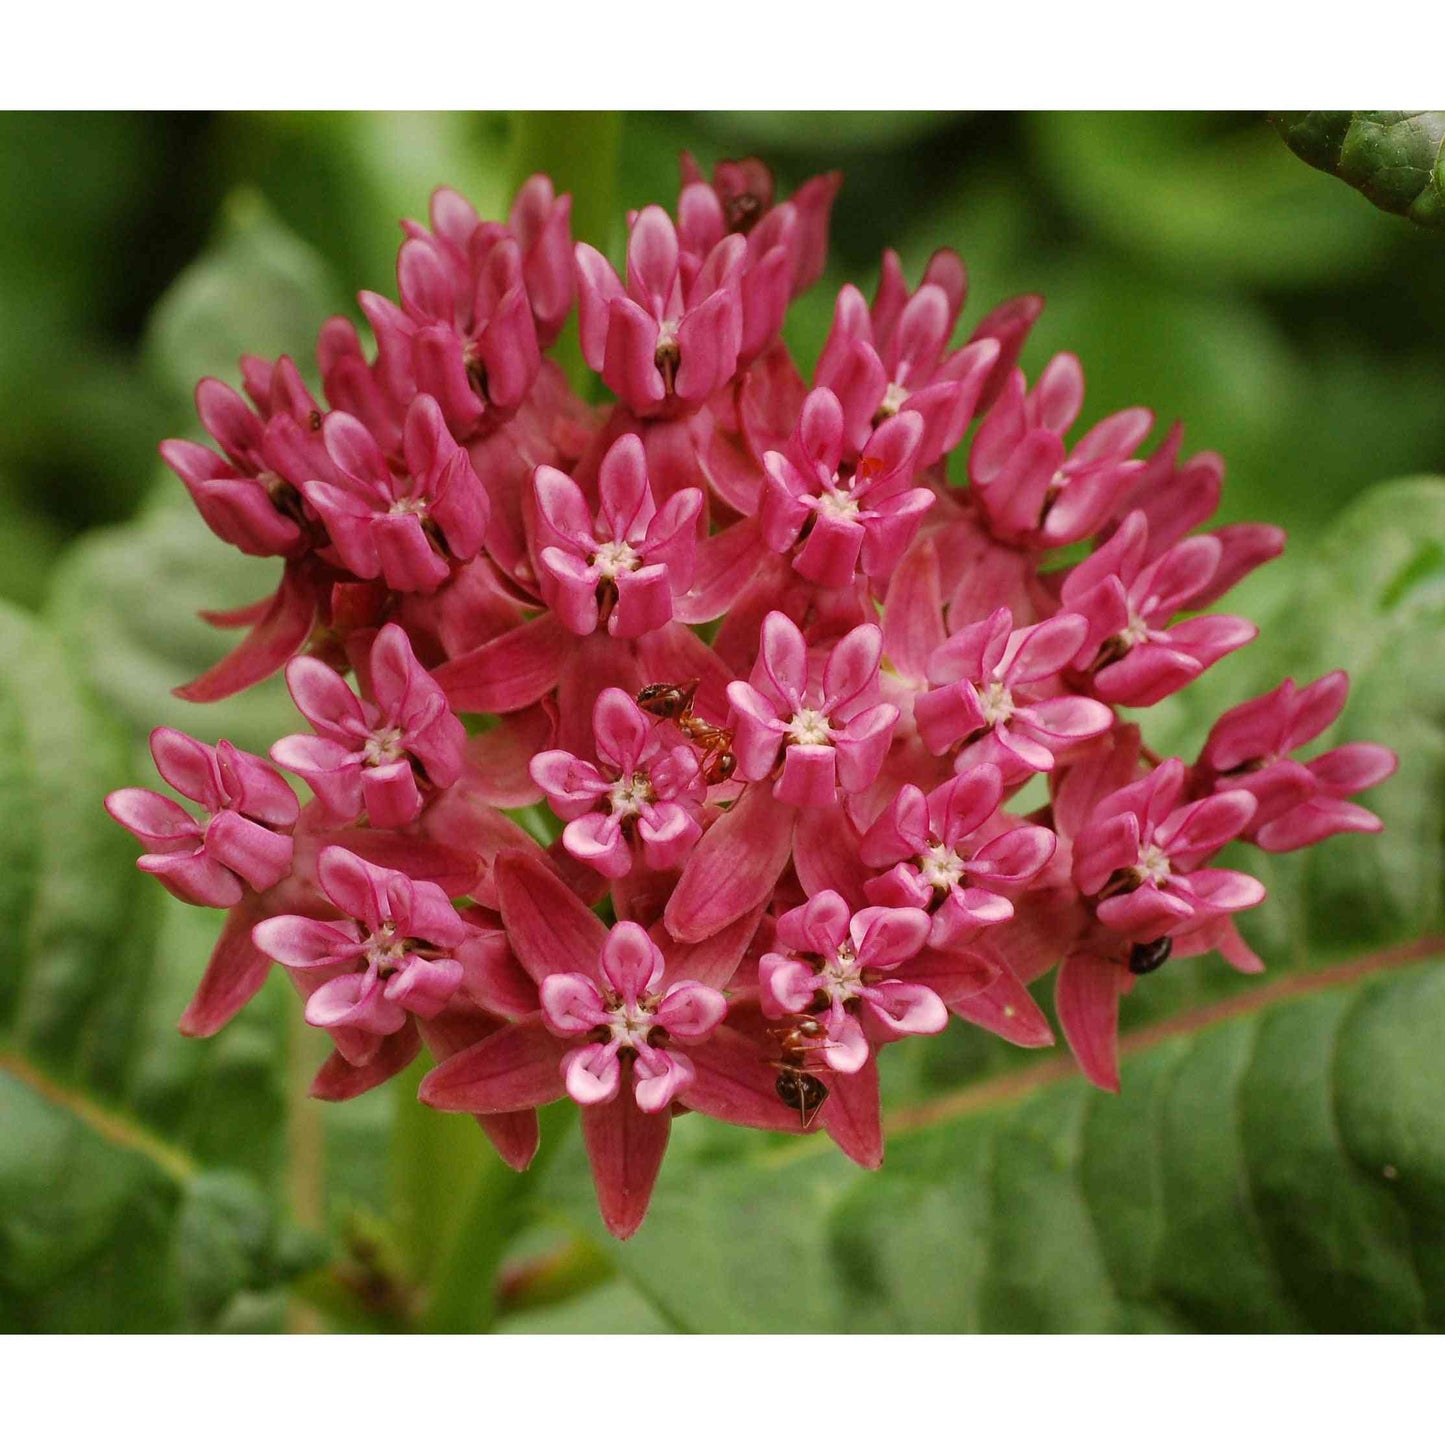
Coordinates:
(672, 701)
(797, 1086)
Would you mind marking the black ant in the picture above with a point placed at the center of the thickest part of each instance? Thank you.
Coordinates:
(1146, 957)
(672, 701)
(797, 1086)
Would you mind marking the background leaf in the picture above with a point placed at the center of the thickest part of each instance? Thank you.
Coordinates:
(1394, 158)
(1281, 1171)
(106, 1220)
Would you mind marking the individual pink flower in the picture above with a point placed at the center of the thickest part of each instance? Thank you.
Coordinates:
(862, 512)
(850, 972)
(540, 226)
(396, 951)
(1032, 490)
(1298, 803)
(655, 1029)
(997, 689)
(1140, 857)
(406, 527)
(1136, 653)
(629, 1009)
(670, 337)
(378, 756)
(472, 334)
(251, 496)
(641, 795)
(786, 244)
(823, 723)
(628, 565)
(953, 854)
(740, 200)
(892, 358)
(242, 843)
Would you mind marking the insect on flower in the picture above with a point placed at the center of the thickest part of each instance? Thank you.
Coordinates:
(672, 701)
(798, 1086)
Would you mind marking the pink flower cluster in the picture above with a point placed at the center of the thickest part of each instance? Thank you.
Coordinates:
(777, 682)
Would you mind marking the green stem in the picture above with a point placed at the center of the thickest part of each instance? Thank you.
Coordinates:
(435, 1159)
(464, 1289)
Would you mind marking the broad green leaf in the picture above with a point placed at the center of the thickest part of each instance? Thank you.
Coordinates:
(120, 1207)
(1394, 158)
(1283, 1170)
(126, 601)
(615, 1308)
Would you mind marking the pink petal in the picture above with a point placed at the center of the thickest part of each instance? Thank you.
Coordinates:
(658, 1079)
(511, 672)
(593, 1074)
(549, 927)
(734, 867)
(852, 1115)
(733, 1082)
(1087, 997)
(630, 961)
(234, 975)
(907, 1008)
(625, 1148)
(1007, 1009)
(518, 1067)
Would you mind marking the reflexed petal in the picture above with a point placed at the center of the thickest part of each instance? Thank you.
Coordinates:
(625, 1148)
(1087, 996)
(518, 1067)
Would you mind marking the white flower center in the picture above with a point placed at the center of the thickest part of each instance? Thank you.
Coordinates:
(409, 507)
(893, 399)
(1153, 864)
(383, 746)
(997, 703)
(810, 728)
(940, 867)
(614, 557)
(1135, 632)
(840, 977)
(384, 950)
(628, 795)
(631, 1023)
(837, 504)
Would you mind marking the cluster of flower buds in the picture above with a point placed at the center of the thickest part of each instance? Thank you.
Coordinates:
(772, 680)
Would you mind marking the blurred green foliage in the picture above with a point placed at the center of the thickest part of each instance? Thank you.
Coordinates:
(1195, 266)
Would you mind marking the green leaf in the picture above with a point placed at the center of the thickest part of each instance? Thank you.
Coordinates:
(126, 601)
(1394, 158)
(1283, 1170)
(110, 1217)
